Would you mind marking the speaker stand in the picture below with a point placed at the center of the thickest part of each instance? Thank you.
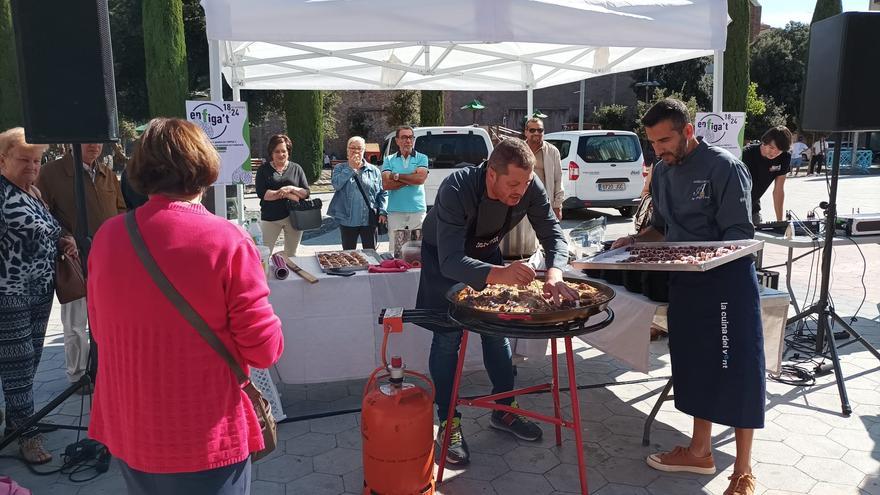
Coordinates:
(83, 242)
(823, 310)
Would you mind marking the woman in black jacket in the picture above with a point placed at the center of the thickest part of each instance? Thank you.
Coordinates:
(278, 181)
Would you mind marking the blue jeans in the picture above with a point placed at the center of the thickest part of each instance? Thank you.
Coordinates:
(444, 359)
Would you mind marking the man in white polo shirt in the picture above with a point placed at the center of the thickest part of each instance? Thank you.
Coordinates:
(403, 176)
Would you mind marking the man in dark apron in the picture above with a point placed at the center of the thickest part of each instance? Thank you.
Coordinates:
(702, 193)
(474, 209)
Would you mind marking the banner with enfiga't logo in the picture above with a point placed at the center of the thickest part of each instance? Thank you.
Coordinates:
(725, 130)
(226, 124)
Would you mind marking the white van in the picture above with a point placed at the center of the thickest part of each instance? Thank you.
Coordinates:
(448, 149)
(601, 169)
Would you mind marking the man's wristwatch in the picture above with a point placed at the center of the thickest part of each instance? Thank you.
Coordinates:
(396, 177)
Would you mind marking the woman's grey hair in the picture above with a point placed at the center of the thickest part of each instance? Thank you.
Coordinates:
(357, 139)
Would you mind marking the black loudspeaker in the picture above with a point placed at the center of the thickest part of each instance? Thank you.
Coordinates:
(843, 74)
(65, 69)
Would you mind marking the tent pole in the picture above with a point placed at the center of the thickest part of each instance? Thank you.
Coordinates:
(239, 188)
(530, 103)
(581, 106)
(216, 80)
(718, 82)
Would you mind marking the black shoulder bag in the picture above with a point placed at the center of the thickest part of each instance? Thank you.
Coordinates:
(382, 228)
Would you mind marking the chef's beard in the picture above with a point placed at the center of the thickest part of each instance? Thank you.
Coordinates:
(678, 155)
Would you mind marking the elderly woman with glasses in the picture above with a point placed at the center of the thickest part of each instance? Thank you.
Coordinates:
(359, 203)
(278, 181)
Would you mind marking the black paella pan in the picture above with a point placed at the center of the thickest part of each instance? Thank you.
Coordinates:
(562, 315)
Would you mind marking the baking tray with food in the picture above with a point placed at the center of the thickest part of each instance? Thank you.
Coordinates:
(348, 260)
(671, 256)
(527, 305)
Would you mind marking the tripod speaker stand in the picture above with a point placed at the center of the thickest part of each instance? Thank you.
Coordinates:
(839, 96)
(823, 310)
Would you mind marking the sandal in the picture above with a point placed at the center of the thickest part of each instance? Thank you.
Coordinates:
(33, 451)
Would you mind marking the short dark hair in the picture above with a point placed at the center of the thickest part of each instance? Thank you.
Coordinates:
(401, 128)
(511, 152)
(667, 109)
(173, 156)
(277, 139)
(780, 136)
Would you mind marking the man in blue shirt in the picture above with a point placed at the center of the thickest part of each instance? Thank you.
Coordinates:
(403, 176)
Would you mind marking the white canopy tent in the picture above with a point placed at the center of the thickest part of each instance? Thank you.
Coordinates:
(477, 45)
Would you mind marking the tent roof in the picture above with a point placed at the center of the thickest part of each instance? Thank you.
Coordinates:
(454, 44)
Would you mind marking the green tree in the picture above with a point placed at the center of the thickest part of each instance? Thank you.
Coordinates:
(359, 124)
(773, 115)
(304, 109)
(331, 100)
(825, 9)
(687, 78)
(736, 57)
(165, 57)
(10, 96)
(431, 112)
(404, 108)
(777, 65)
(659, 94)
(755, 106)
(126, 34)
(614, 117)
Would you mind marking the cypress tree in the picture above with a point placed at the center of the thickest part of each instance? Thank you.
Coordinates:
(431, 111)
(825, 9)
(165, 57)
(10, 96)
(304, 110)
(736, 57)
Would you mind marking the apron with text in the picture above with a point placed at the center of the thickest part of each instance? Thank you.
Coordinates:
(717, 346)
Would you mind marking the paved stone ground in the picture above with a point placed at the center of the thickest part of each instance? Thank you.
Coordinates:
(807, 446)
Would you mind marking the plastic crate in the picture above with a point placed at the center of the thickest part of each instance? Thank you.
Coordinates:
(263, 380)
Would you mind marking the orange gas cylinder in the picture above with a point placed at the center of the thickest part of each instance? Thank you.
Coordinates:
(397, 426)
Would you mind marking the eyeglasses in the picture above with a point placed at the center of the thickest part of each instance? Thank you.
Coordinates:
(355, 149)
(406, 138)
(539, 130)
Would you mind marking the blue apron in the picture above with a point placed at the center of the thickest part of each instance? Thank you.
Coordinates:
(716, 344)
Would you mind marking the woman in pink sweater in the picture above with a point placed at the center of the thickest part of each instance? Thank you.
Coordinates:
(165, 403)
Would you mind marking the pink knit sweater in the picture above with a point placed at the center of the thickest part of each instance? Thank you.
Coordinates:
(164, 401)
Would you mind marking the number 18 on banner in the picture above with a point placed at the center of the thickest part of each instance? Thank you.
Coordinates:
(226, 124)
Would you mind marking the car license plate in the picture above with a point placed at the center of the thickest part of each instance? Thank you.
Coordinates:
(612, 186)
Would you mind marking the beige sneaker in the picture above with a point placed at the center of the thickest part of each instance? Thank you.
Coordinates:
(681, 459)
(741, 484)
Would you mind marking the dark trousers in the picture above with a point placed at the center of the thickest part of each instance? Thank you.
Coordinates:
(23, 321)
(816, 164)
(234, 479)
(444, 358)
(350, 237)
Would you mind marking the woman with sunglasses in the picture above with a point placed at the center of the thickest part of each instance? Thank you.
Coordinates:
(278, 181)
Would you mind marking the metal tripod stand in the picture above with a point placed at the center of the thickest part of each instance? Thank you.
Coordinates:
(823, 309)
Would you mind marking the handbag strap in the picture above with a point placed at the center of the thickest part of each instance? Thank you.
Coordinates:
(187, 311)
(357, 180)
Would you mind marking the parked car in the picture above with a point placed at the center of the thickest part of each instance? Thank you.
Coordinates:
(602, 169)
(448, 149)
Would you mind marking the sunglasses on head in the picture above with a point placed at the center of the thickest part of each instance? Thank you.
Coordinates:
(536, 129)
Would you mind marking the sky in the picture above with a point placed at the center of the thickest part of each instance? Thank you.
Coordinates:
(777, 13)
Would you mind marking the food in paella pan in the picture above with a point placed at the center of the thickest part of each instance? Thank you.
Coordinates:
(692, 255)
(525, 299)
(342, 259)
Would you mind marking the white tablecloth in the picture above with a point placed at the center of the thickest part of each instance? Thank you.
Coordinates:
(331, 329)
